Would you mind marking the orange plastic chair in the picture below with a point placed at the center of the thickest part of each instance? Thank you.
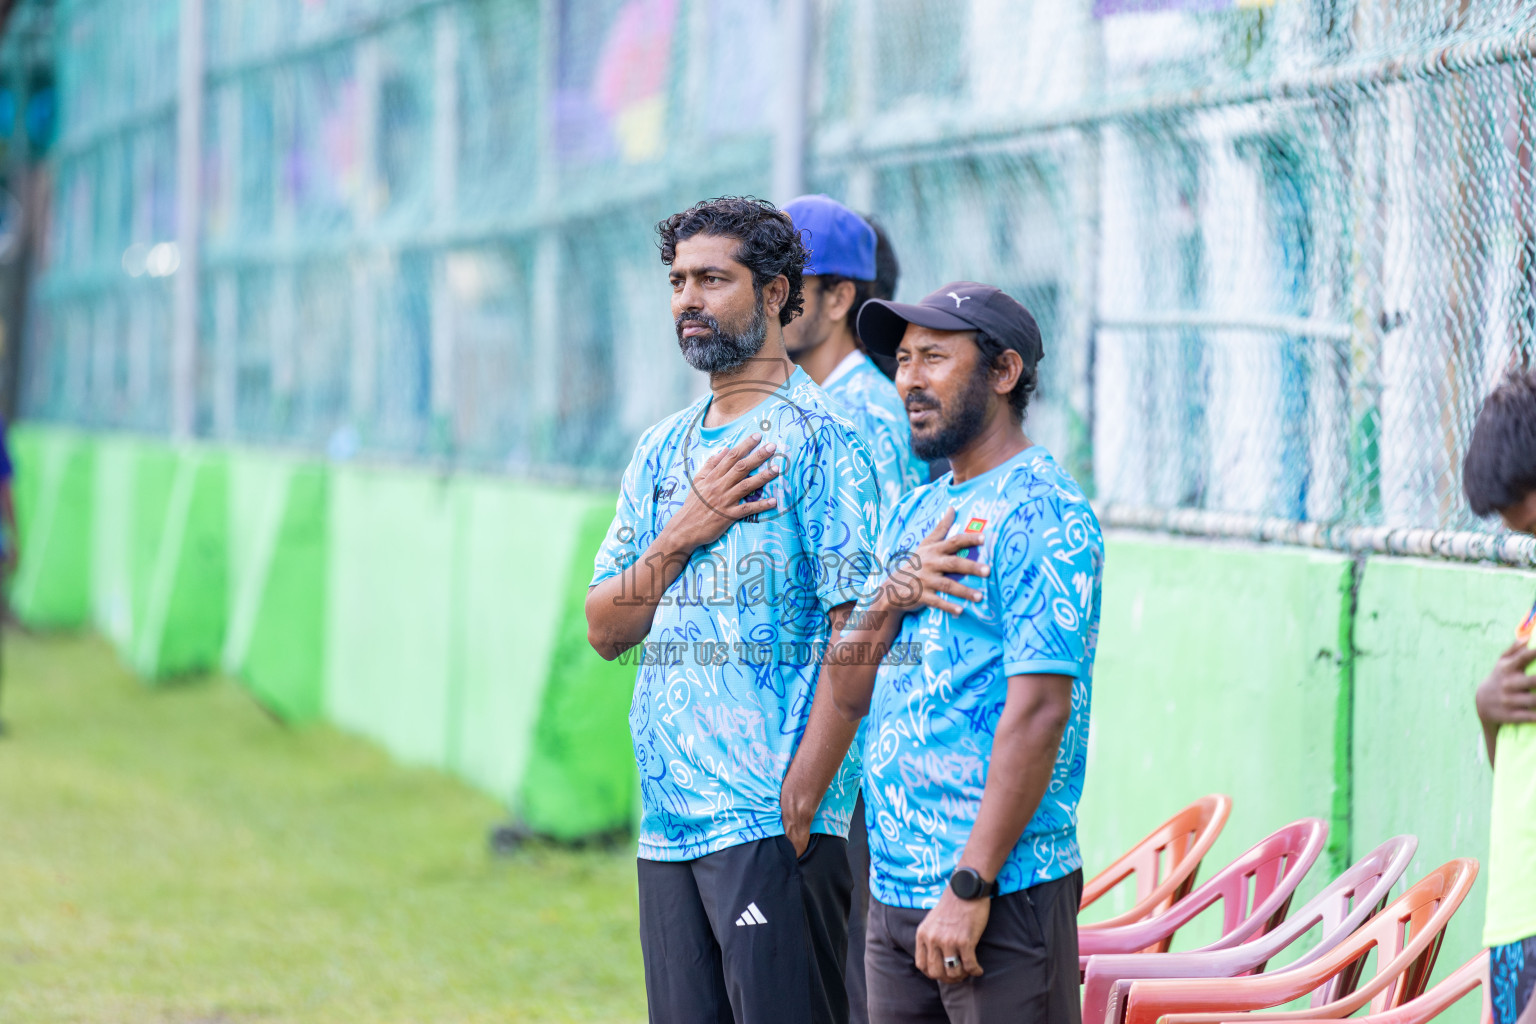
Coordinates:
(1185, 838)
(1338, 910)
(1402, 967)
(1438, 999)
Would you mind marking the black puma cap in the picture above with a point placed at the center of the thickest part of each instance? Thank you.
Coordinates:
(958, 306)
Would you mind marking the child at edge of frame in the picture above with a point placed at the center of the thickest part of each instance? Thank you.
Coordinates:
(1499, 477)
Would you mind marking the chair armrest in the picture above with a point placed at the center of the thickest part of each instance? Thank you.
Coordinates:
(1104, 970)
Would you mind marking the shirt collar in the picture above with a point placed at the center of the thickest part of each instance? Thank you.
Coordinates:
(843, 369)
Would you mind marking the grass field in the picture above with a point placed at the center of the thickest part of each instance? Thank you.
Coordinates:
(175, 855)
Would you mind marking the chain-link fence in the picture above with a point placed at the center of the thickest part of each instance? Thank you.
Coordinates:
(1278, 252)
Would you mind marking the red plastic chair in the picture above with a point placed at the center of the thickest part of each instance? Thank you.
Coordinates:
(1185, 838)
(1437, 1000)
(1402, 967)
(1343, 906)
(1270, 871)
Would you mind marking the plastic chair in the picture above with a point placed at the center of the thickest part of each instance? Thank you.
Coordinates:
(1186, 838)
(1437, 1000)
(1270, 871)
(1343, 906)
(1402, 967)
(1274, 867)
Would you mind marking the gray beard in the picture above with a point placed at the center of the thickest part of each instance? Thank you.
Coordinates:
(722, 351)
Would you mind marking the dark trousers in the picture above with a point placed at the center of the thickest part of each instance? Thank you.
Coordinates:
(858, 914)
(748, 935)
(1028, 955)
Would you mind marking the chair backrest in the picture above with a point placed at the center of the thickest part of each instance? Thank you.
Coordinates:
(1470, 975)
(1254, 890)
(1163, 864)
(1405, 936)
(1343, 906)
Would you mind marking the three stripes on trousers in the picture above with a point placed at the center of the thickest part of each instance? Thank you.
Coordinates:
(751, 916)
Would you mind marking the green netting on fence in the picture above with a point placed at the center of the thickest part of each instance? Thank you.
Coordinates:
(1278, 250)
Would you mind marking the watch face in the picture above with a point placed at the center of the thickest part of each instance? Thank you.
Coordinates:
(966, 883)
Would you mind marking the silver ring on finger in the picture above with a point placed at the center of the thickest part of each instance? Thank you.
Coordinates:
(952, 963)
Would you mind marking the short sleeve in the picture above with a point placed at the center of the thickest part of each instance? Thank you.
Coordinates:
(839, 510)
(632, 530)
(1049, 561)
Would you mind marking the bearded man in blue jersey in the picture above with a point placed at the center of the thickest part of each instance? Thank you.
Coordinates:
(973, 762)
(744, 531)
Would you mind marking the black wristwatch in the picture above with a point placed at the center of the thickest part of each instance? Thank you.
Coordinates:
(968, 885)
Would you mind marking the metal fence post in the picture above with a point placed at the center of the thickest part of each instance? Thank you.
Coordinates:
(445, 167)
(789, 142)
(189, 151)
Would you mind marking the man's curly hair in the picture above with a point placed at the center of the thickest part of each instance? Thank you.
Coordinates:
(770, 245)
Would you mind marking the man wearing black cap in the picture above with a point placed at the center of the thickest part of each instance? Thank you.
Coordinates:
(976, 747)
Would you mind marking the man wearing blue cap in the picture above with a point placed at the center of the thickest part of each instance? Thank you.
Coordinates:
(824, 341)
(839, 278)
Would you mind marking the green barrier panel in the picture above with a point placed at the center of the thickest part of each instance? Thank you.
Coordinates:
(275, 642)
(1218, 672)
(514, 548)
(187, 600)
(52, 488)
(1427, 634)
(444, 607)
(582, 778)
(158, 572)
(132, 480)
(390, 605)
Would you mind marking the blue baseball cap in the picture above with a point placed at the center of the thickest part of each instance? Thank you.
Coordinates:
(841, 242)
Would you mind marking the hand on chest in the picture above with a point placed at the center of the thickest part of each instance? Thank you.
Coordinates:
(675, 483)
(972, 519)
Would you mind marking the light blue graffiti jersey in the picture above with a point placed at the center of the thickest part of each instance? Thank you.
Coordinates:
(728, 671)
(930, 725)
(870, 402)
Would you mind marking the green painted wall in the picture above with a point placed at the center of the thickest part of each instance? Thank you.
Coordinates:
(515, 543)
(158, 560)
(53, 490)
(1217, 671)
(278, 527)
(389, 594)
(582, 778)
(185, 610)
(447, 599)
(1427, 634)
